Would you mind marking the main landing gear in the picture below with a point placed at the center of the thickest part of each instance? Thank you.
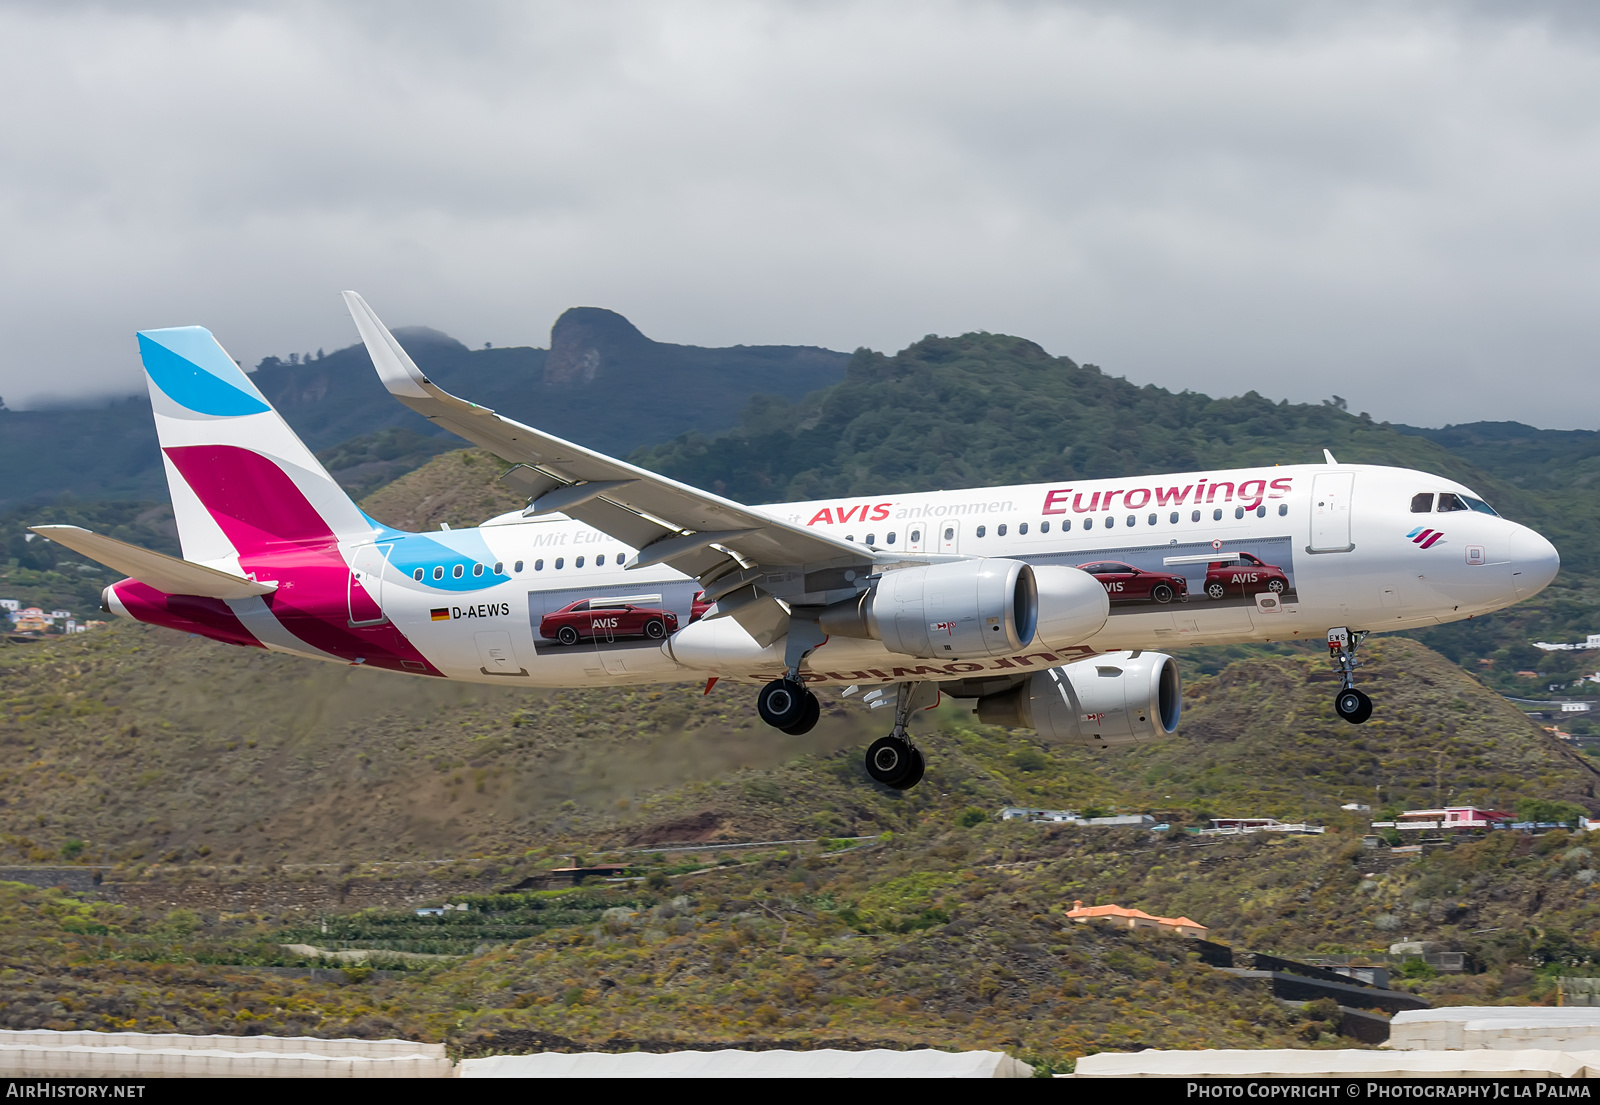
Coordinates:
(893, 760)
(1350, 704)
(787, 705)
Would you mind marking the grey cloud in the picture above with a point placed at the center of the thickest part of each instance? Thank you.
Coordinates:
(1393, 202)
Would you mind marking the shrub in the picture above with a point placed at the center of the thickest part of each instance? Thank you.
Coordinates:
(971, 816)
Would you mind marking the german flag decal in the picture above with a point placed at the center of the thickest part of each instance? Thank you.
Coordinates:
(440, 613)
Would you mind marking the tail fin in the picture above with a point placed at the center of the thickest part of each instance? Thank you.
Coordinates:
(241, 481)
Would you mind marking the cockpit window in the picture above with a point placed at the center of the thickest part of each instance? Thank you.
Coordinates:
(1449, 502)
(1423, 503)
(1480, 506)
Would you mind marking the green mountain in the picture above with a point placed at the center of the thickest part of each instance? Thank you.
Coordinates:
(602, 383)
(242, 800)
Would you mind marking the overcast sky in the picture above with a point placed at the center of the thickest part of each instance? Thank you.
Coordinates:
(1396, 203)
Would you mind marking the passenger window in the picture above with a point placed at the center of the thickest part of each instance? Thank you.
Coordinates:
(1448, 502)
(438, 571)
(622, 558)
(477, 569)
(1152, 519)
(1133, 520)
(1195, 517)
(916, 535)
(949, 534)
(1261, 512)
(499, 568)
(538, 565)
(561, 562)
(1000, 530)
(872, 538)
(890, 539)
(578, 563)
(458, 571)
(1109, 523)
(1238, 512)
(1174, 519)
(1088, 523)
(1422, 503)
(1044, 527)
(517, 567)
(418, 574)
(981, 530)
(600, 561)
(1022, 530)
(849, 537)
(1283, 510)
(1216, 515)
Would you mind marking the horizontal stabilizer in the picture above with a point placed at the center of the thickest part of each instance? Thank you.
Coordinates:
(163, 572)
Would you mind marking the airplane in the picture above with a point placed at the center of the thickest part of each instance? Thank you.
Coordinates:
(614, 575)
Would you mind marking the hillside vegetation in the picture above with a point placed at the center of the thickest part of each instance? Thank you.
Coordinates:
(150, 745)
(201, 772)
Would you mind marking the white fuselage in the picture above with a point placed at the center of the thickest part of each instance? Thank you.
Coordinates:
(1344, 537)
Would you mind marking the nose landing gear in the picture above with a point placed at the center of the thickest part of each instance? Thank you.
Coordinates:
(1352, 705)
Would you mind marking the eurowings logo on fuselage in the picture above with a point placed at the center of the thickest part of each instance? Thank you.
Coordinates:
(1426, 538)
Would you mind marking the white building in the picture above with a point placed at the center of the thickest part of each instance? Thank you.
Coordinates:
(10, 604)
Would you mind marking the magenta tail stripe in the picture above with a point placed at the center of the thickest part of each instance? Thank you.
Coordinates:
(280, 536)
(189, 613)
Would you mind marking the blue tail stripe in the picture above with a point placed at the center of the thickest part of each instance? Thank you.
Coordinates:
(189, 366)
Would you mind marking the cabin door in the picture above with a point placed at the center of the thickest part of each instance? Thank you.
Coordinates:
(1330, 511)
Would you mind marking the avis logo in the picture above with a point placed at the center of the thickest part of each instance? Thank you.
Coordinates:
(1427, 538)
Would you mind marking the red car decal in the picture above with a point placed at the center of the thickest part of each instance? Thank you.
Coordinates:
(606, 619)
(1244, 574)
(1125, 583)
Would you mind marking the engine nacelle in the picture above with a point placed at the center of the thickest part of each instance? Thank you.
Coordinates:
(983, 607)
(1119, 698)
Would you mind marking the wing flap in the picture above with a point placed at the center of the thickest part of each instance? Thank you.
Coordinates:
(163, 572)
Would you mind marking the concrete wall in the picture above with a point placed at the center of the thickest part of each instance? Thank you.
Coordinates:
(1496, 1027)
(42, 1053)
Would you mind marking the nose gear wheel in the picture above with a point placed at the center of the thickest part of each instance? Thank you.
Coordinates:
(1352, 705)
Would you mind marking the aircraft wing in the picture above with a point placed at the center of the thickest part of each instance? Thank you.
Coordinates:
(163, 572)
(668, 522)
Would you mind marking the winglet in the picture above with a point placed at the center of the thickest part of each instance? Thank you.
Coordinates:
(1326, 452)
(396, 369)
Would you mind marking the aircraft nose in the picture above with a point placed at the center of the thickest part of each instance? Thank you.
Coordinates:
(1534, 562)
